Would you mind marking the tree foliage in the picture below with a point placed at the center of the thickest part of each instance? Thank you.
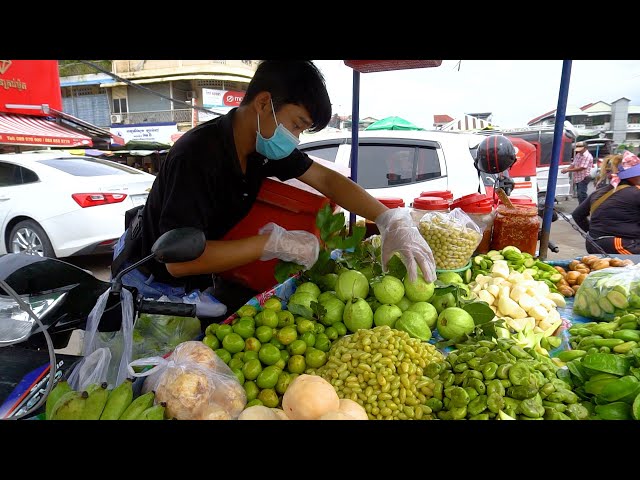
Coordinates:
(69, 68)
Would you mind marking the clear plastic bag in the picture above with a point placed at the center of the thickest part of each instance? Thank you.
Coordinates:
(452, 236)
(194, 382)
(156, 335)
(608, 293)
(91, 369)
(119, 344)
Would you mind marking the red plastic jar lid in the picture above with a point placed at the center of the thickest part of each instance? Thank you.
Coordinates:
(478, 209)
(470, 199)
(391, 202)
(430, 203)
(446, 194)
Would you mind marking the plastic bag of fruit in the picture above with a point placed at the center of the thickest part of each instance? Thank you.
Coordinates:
(610, 292)
(194, 382)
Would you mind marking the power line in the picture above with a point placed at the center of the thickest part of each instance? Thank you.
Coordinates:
(148, 90)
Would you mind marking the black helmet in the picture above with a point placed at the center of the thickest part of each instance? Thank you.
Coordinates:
(495, 154)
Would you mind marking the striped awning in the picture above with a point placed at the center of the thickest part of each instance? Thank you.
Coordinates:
(28, 130)
(466, 123)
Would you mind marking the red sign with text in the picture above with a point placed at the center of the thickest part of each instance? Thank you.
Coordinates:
(29, 82)
(233, 99)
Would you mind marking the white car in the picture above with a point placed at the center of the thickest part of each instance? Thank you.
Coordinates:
(403, 164)
(55, 204)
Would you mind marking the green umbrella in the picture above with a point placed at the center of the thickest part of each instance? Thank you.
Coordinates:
(393, 123)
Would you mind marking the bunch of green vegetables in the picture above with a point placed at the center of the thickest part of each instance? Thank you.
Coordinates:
(604, 366)
(484, 380)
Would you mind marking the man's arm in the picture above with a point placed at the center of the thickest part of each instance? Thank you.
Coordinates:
(221, 255)
(583, 162)
(343, 191)
(572, 169)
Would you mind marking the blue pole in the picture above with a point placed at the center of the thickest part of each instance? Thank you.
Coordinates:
(355, 122)
(558, 134)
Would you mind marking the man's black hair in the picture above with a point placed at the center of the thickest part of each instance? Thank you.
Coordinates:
(296, 82)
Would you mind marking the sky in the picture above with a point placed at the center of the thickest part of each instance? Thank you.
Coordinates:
(515, 91)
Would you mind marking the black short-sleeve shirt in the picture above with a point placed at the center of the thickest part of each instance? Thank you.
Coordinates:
(200, 184)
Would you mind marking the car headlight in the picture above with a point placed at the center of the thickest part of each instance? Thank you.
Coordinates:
(15, 323)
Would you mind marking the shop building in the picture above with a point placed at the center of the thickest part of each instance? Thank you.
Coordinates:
(31, 111)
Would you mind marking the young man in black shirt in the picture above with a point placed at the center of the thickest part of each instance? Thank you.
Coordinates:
(614, 212)
(212, 174)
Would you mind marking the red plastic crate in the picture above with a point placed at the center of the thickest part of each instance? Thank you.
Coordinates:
(290, 207)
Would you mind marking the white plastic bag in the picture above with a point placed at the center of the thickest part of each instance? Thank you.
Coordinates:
(206, 304)
(91, 369)
(119, 344)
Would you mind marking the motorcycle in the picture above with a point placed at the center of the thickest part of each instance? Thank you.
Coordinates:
(46, 299)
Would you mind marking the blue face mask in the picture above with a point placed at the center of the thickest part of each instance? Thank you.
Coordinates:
(280, 145)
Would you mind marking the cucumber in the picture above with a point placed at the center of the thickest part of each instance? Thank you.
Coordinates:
(555, 277)
(595, 310)
(606, 305)
(468, 275)
(621, 289)
(581, 302)
(617, 299)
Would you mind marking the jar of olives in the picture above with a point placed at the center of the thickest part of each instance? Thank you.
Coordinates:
(483, 216)
(423, 205)
(453, 237)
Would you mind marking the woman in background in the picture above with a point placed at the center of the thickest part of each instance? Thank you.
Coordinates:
(608, 169)
(611, 214)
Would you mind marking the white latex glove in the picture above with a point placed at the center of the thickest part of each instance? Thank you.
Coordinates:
(296, 246)
(399, 234)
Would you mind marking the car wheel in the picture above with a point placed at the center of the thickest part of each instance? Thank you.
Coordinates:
(29, 237)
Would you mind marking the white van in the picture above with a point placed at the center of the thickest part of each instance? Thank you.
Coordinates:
(403, 164)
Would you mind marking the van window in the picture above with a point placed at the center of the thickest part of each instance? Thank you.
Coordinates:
(428, 164)
(325, 153)
(381, 166)
(566, 153)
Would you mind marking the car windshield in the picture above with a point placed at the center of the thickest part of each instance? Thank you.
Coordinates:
(89, 167)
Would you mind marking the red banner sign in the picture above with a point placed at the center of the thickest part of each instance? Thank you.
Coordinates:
(29, 82)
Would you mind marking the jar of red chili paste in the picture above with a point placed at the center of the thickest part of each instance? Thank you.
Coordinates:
(516, 226)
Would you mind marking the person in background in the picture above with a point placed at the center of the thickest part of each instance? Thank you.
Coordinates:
(581, 169)
(611, 214)
(608, 170)
(212, 175)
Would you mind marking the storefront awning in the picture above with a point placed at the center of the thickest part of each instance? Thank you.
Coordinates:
(27, 130)
(187, 76)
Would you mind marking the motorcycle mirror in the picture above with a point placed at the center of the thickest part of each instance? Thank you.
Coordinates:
(179, 245)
